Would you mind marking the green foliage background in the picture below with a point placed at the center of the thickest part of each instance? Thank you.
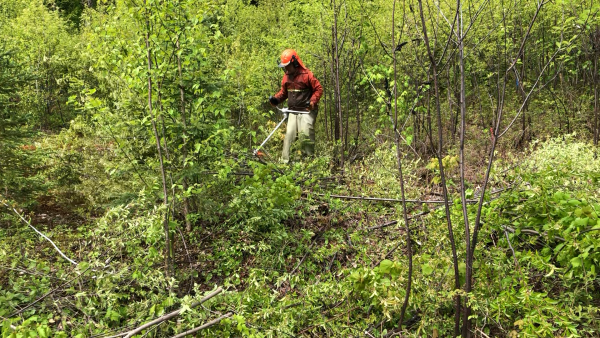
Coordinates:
(78, 159)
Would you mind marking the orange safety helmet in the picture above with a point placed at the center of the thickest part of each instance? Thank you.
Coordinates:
(290, 55)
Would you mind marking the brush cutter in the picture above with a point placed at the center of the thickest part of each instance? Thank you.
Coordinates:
(285, 112)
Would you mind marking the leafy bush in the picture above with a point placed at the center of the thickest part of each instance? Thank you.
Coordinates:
(550, 219)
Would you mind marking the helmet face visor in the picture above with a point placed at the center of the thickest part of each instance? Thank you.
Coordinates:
(282, 64)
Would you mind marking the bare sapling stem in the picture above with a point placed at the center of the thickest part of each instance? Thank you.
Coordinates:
(442, 175)
(463, 198)
(596, 108)
(338, 92)
(399, 160)
(168, 263)
(496, 135)
(186, 204)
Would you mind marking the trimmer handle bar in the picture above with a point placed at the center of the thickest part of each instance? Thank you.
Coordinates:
(285, 112)
(289, 111)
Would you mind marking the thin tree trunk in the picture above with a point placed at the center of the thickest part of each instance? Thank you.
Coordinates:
(399, 160)
(337, 84)
(165, 145)
(429, 131)
(168, 263)
(325, 100)
(496, 135)
(348, 97)
(463, 108)
(596, 108)
(442, 175)
(457, 111)
(186, 204)
(358, 119)
(335, 123)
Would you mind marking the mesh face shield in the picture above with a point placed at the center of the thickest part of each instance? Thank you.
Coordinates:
(281, 64)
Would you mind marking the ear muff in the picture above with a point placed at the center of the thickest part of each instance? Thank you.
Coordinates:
(295, 61)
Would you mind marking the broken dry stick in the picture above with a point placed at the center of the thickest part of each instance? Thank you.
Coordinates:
(387, 199)
(209, 324)
(172, 314)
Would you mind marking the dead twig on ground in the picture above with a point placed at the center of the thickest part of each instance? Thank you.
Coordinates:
(49, 293)
(209, 324)
(3, 201)
(378, 199)
(170, 315)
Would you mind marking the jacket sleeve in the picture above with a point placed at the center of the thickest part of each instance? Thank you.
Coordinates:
(282, 94)
(316, 87)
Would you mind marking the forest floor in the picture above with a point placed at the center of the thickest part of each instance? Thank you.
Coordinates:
(332, 267)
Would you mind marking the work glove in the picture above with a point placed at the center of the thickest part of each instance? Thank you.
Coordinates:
(273, 100)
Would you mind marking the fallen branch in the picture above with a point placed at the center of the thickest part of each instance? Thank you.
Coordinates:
(314, 241)
(171, 314)
(48, 294)
(303, 258)
(381, 199)
(373, 327)
(332, 260)
(188, 257)
(36, 230)
(429, 211)
(388, 254)
(511, 248)
(396, 222)
(28, 272)
(588, 230)
(265, 329)
(292, 305)
(327, 321)
(209, 324)
(385, 199)
(380, 226)
(531, 232)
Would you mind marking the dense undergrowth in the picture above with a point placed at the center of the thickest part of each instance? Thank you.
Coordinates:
(297, 263)
(126, 125)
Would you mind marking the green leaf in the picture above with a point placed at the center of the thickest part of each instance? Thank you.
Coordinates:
(42, 331)
(580, 222)
(426, 269)
(576, 261)
(355, 276)
(184, 308)
(385, 266)
(83, 266)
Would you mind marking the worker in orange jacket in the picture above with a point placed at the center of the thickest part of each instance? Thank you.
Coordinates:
(303, 92)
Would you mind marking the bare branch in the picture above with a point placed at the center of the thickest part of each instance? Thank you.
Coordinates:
(171, 314)
(441, 166)
(3, 201)
(529, 94)
(48, 293)
(389, 199)
(539, 8)
(209, 324)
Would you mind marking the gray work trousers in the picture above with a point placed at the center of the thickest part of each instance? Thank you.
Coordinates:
(302, 126)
